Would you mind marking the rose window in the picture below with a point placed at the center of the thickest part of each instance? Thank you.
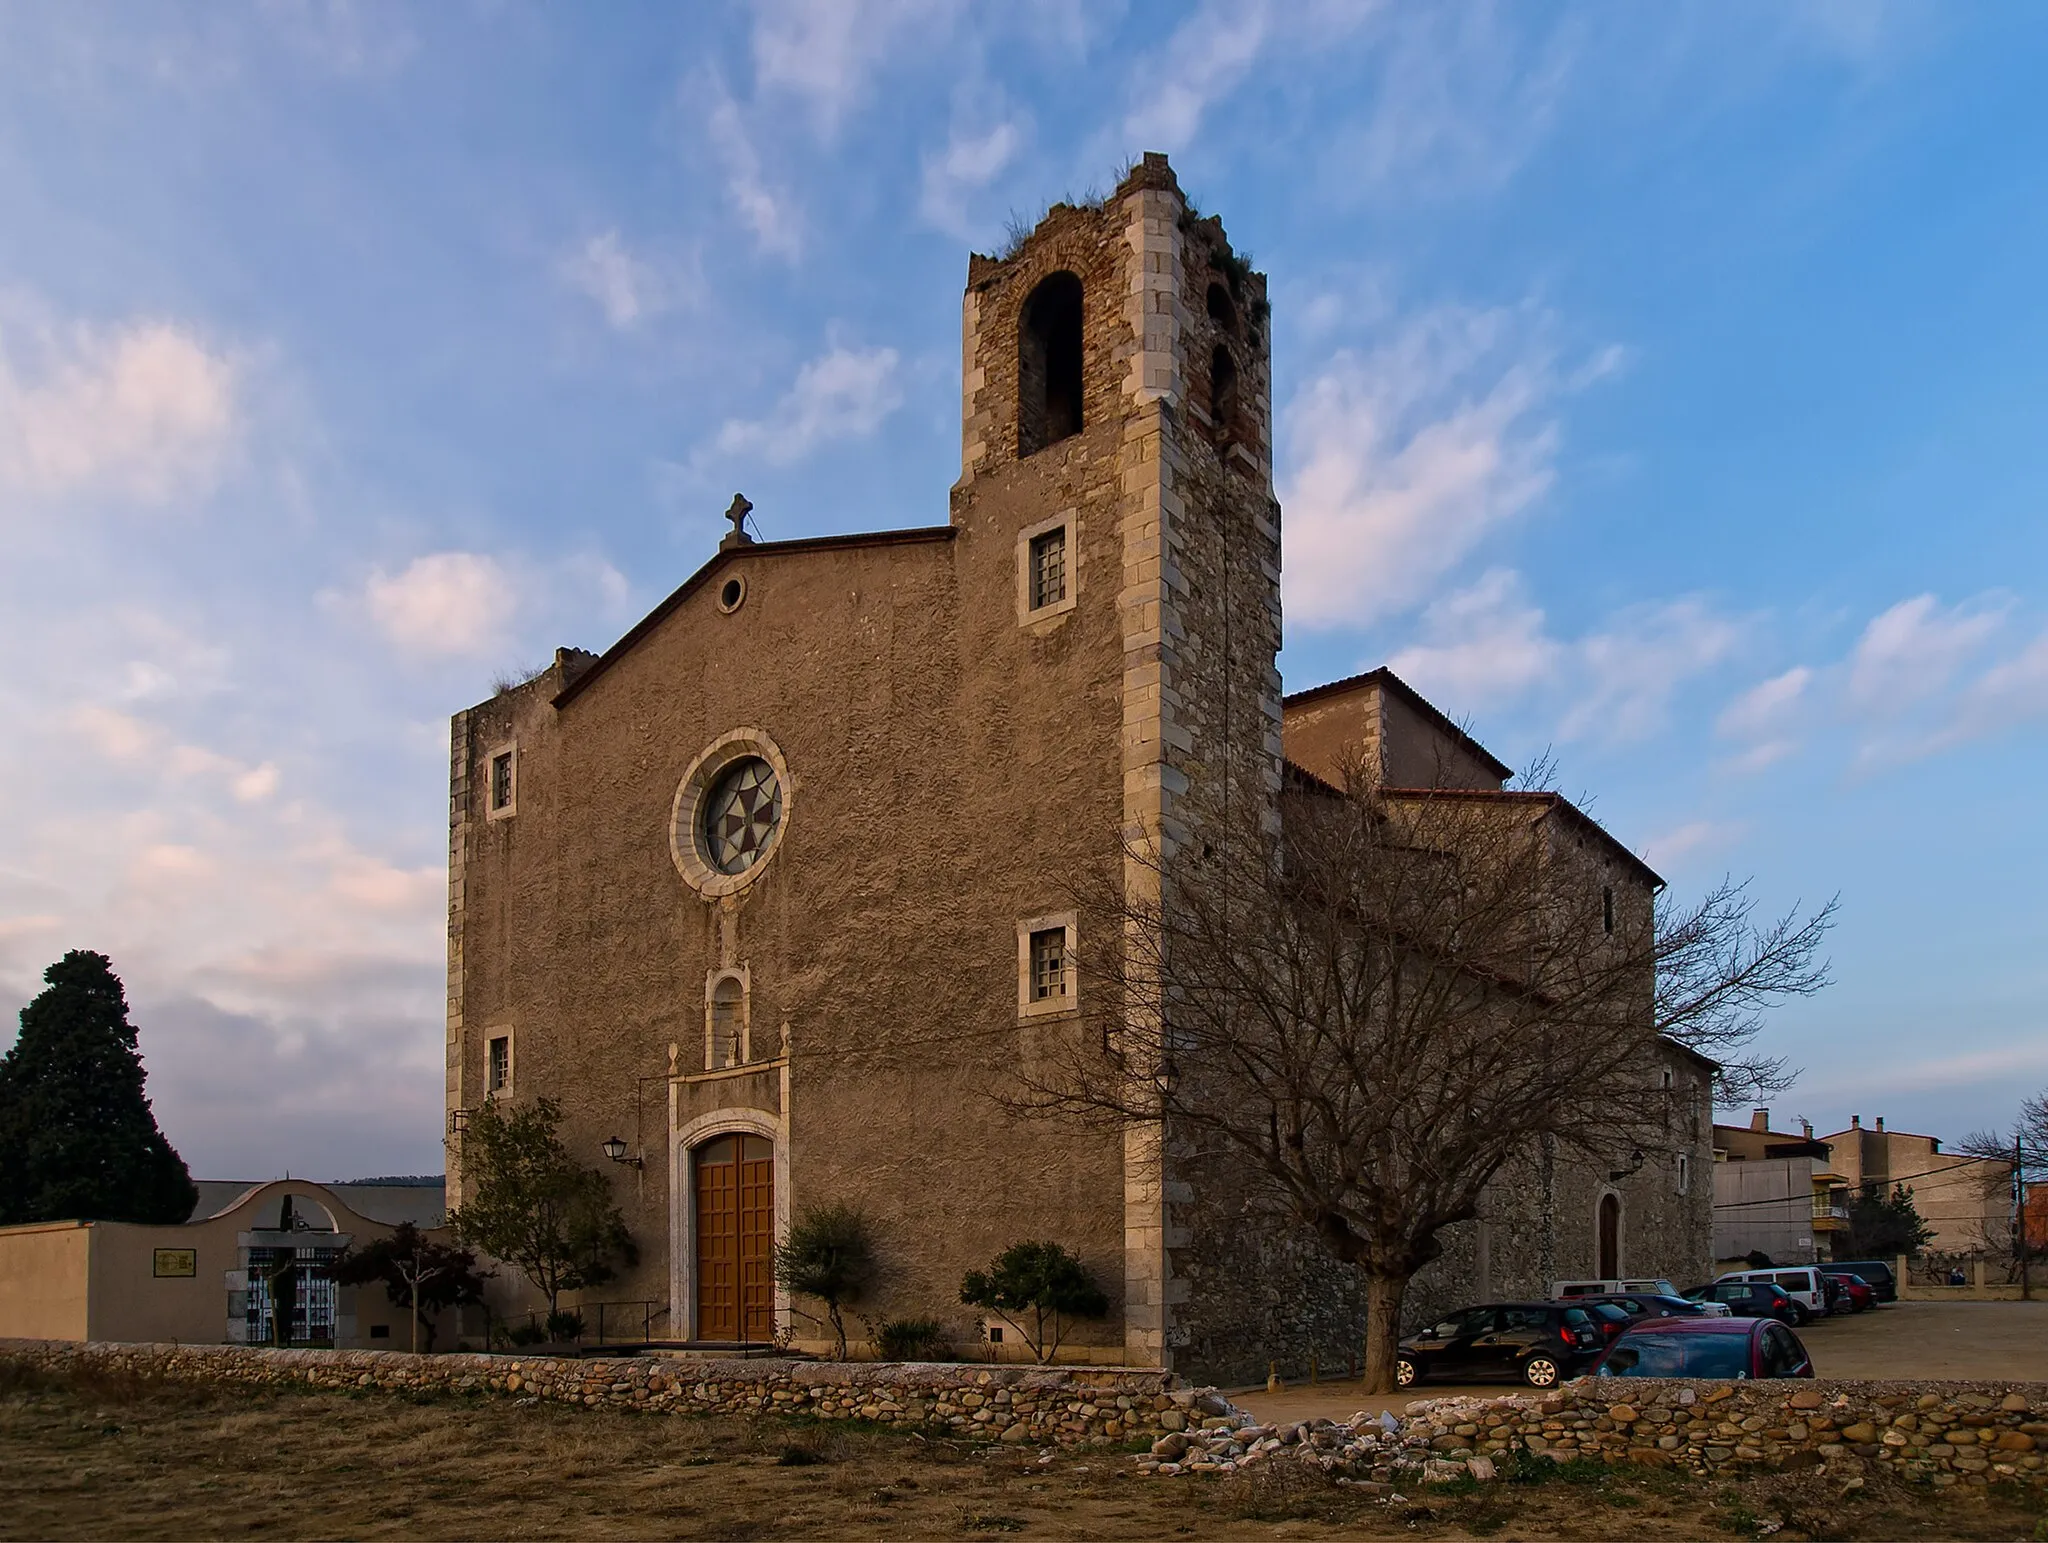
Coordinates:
(741, 815)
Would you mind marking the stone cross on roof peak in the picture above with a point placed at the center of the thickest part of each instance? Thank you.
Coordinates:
(737, 511)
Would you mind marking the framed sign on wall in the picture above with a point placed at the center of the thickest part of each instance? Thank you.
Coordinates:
(175, 1263)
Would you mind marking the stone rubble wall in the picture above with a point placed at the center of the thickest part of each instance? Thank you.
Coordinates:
(1020, 1405)
(1941, 1433)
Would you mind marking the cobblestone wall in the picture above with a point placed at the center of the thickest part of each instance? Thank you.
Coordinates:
(1013, 1404)
(1938, 1433)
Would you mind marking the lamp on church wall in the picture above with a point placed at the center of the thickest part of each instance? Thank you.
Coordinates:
(615, 1149)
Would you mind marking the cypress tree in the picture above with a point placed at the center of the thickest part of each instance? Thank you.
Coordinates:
(77, 1138)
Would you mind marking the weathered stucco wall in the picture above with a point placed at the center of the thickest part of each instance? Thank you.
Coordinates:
(45, 1274)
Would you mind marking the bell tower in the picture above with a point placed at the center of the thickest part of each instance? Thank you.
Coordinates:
(1117, 390)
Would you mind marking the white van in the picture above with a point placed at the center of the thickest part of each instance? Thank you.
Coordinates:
(1802, 1283)
(1560, 1289)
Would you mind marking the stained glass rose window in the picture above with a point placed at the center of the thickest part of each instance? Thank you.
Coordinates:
(741, 814)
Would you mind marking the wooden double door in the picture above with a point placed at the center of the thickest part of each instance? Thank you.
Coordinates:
(735, 1186)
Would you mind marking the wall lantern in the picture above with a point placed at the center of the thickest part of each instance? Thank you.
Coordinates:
(615, 1149)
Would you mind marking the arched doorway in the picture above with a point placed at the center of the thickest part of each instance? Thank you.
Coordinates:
(734, 1179)
(1610, 1238)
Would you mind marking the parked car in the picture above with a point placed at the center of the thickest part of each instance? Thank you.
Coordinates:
(1875, 1273)
(1802, 1283)
(1564, 1289)
(1640, 1305)
(1861, 1297)
(1749, 1299)
(1610, 1318)
(1540, 1342)
(1738, 1348)
(1834, 1294)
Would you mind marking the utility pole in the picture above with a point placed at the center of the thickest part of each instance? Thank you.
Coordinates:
(2019, 1211)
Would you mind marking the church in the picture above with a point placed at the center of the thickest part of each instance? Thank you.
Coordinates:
(769, 894)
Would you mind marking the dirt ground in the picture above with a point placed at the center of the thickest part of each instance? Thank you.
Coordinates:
(101, 1457)
(2004, 1341)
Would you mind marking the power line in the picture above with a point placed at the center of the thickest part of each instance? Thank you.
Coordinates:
(1948, 1171)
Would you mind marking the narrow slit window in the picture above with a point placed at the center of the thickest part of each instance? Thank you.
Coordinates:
(1607, 910)
(1048, 964)
(1048, 568)
(501, 780)
(1684, 1174)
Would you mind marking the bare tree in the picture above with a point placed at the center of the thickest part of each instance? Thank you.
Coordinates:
(1406, 993)
(2021, 1154)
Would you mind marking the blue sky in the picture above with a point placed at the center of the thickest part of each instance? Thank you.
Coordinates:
(1661, 386)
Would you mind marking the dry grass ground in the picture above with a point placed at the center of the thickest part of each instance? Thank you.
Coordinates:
(105, 1458)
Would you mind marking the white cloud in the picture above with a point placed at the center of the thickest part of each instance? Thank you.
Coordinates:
(1637, 664)
(1203, 62)
(1484, 643)
(1915, 649)
(2010, 690)
(344, 37)
(1403, 459)
(969, 163)
(145, 410)
(828, 51)
(628, 288)
(845, 393)
(1766, 707)
(771, 215)
(1490, 642)
(1458, 101)
(1767, 715)
(449, 603)
(1692, 840)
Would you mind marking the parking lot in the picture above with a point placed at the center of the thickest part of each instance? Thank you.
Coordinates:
(2003, 1341)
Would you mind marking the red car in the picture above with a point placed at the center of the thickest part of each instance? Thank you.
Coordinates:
(1861, 1296)
(1734, 1348)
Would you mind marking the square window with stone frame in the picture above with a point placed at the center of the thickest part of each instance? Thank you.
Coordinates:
(1048, 568)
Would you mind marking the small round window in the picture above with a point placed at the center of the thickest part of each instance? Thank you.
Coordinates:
(731, 593)
(742, 813)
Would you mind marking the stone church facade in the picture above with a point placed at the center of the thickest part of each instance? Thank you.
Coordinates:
(777, 888)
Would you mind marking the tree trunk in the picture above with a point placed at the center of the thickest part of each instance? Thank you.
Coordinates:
(838, 1331)
(1383, 1297)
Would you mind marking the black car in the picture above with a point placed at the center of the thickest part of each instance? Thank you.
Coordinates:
(1749, 1299)
(1540, 1342)
(1640, 1305)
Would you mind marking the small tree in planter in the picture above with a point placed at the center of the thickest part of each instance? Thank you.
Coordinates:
(1040, 1282)
(827, 1256)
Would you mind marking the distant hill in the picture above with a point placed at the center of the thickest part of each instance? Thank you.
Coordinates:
(395, 1181)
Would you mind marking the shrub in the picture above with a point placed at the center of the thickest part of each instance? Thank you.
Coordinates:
(564, 1325)
(912, 1339)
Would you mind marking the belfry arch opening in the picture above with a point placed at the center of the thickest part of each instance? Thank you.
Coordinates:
(1223, 394)
(1049, 364)
(1221, 311)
